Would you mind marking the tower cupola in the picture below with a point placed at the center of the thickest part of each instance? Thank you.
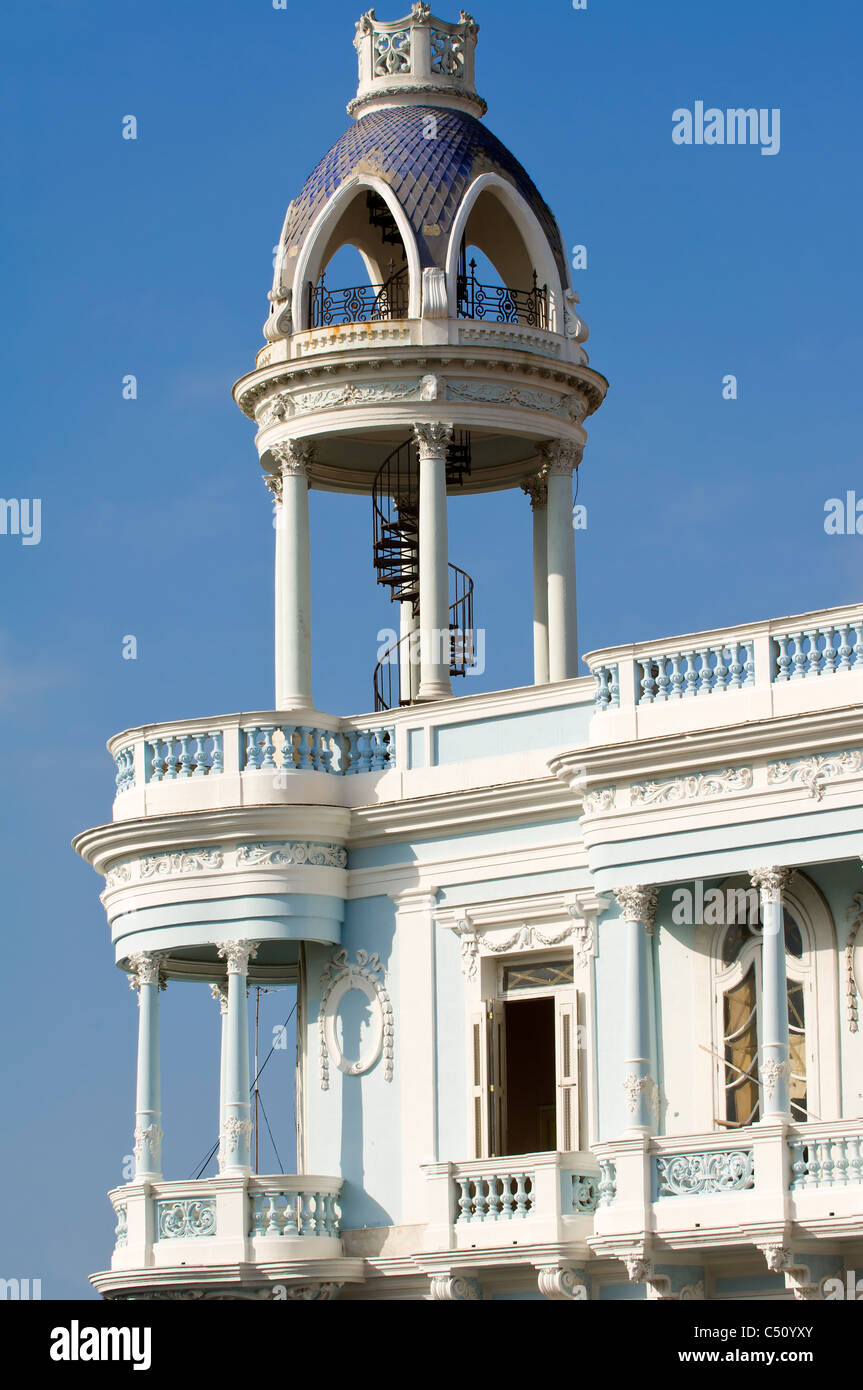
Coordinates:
(417, 59)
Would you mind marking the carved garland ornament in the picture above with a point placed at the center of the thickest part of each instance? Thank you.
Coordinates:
(340, 977)
(815, 772)
(704, 784)
(524, 938)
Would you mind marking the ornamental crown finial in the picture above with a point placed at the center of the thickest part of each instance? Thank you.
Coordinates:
(418, 60)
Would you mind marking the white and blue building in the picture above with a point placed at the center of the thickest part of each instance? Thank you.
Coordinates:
(579, 964)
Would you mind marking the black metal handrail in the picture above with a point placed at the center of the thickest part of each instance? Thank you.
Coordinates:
(358, 303)
(500, 303)
(462, 653)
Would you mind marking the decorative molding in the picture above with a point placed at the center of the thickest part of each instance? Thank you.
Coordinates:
(282, 854)
(772, 1073)
(778, 1257)
(637, 903)
(294, 457)
(634, 1086)
(490, 393)
(771, 882)
(238, 954)
(220, 992)
(695, 1174)
(854, 980)
(562, 457)
(305, 402)
(117, 874)
(231, 1135)
(367, 975)
(147, 968)
(189, 861)
(815, 772)
(699, 785)
(525, 938)
(435, 299)
(432, 440)
(562, 1283)
(185, 1219)
(148, 1137)
(446, 1288)
(574, 327)
(599, 800)
(536, 489)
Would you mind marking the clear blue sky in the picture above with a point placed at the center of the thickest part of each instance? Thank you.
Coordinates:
(154, 257)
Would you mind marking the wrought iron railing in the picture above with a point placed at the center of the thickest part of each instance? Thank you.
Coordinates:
(500, 303)
(391, 690)
(358, 303)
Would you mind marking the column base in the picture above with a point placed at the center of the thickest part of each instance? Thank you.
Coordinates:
(434, 690)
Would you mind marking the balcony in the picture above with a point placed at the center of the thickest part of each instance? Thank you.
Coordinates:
(231, 1235)
(494, 1203)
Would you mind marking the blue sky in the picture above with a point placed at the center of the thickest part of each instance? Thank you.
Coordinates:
(153, 257)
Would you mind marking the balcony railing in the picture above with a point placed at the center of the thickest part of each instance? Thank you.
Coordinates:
(358, 303)
(500, 303)
(528, 1198)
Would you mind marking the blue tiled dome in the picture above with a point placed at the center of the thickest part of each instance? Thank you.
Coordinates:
(428, 177)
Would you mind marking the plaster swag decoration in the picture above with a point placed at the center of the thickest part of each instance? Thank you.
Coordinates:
(277, 855)
(698, 786)
(695, 1174)
(368, 976)
(816, 771)
(303, 402)
(489, 393)
(475, 943)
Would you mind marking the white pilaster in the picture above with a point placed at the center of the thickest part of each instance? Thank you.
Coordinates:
(418, 1047)
(774, 1068)
(432, 441)
(293, 576)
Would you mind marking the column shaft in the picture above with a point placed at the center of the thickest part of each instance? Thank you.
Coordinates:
(234, 1149)
(562, 637)
(537, 491)
(432, 441)
(293, 578)
(774, 1064)
(639, 908)
(148, 1098)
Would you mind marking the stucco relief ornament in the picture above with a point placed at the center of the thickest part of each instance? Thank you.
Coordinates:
(280, 323)
(772, 1072)
(433, 440)
(854, 961)
(447, 1289)
(574, 327)
(634, 1086)
(232, 1131)
(293, 457)
(148, 1136)
(366, 975)
(771, 882)
(562, 1284)
(638, 1268)
(421, 12)
(778, 1257)
(561, 457)
(637, 904)
(238, 954)
(147, 968)
(536, 489)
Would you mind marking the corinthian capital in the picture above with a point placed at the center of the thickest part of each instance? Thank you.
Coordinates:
(771, 881)
(537, 489)
(293, 457)
(637, 903)
(146, 968)
(561, 457)
(432, 440)
(238, 954)
(220, 992)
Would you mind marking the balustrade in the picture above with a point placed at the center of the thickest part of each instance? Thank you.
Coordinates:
(826, 1161)
(287, 1211)
(807, 652)
(489, 1198)
(185, 755)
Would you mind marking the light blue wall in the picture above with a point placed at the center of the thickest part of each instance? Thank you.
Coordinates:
(461, 846)
(563, 727)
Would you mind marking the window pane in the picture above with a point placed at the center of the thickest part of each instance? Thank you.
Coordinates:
(793, 936)
(741, 1051)
(797, 1050)
(734, 940)
(539, 975)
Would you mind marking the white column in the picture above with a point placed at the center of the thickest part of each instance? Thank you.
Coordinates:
(146, 978)
(638, 906)
(408, 667)
(774, 1068)
(220, 992)
(415, 927)
(537, 491)
(236, 1128)
(432, 441)
(293, 576)
(561, 458)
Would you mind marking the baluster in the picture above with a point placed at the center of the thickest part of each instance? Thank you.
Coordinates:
(259, 1215)
(171, 760)
(855, 1158)
(218, 764)
(156, 766)
(707, 672)
(464, 1201)
(829, 653)
(200, 756)
(814, 652)
(353, 738)
(783, 660)
(677, 678)
(800, 657)
(749, 663)
(736, 668)
(844, 649)
(304, 763)
(521, 1197)
(332, 1216)
(364, 751)
(798, 1164)
(292, 1223)
(328, 746)
(508, 1196)
(858, 645)
(315, 749)
(185, 756)
(377, 747)
(307, 1217)
(268, 749)
(614, 687)
(320, 1214)
(690, 675)
(825, 1163)
(720, 671)
(813, 1167)
(481, 1201)
(252, 749)
(648, 684)
(840, 1163)
(662, 680)
(494, 1199)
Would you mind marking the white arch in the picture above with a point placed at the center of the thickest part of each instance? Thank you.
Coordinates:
(534, 237)
(317, 236)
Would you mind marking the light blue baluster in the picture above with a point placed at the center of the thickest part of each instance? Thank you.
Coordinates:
(171, 760)
(185, 756)
(200, 758)
(813, 1167)
(464, 1201)
(707, 672)
(845, 650)
(825, 1163)
(328, 745)
(814, 652)
(647, 683)
(690, 675)
(801, 659)
(614, 686)
(292, 1225)
(736, 668)
(252, 749)
(218, 753)
(749, 663)
(720, 670)
(268, 750)
(332, 1215)
(677, 677)
(829, 667)
(379, 761)
(481, 1201)
(315, 749)
(259, 1215)
(855, 1159)
(798, 1163)
(840, 1164)
(305, 763)
(272, 1207)
(364, 760)
(156, 763)
(508, 1196)
(307, 1214)
(858, 645)
(521, 1197)
(320, 1215)
(662, 680)
(353, 739)
(783, 660)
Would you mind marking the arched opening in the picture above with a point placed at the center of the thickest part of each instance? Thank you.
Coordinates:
(501, 268)
(358, 269)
